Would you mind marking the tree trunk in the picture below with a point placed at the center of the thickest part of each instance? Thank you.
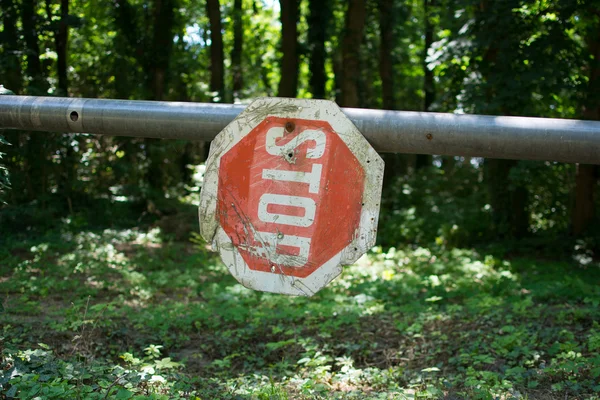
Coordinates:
(68, 172)
(157, 70)
(497, 178)
(319, 18)
(152, 52)
(351, 44)
(429, 83)
(37, 173)
(508, 198)
(161, 46)
(519, 212)
(584, 211)
(129, 43)
(11, 77)
(425, 160)
(395, 164)
(236, 53)
(11, 61)
(38, 85)
(448, 165)
(217, 74)
(508, 201)
(386, 48)
(61, 40)
(288, 84)
(367, 97)
(217, 58)
(586, 177)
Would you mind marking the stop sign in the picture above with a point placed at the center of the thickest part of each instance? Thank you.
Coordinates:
(291, 192)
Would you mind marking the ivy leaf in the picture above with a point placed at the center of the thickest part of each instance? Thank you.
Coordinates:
(123, 394)
(12, 392)
(166, 363)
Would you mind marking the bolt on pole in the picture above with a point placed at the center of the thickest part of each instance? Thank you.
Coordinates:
(387, 131)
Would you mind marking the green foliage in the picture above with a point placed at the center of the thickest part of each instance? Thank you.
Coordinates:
(92, 308)
(512, 57)
(450, 206)
(501, 57)
(128, 313)
(436, 206)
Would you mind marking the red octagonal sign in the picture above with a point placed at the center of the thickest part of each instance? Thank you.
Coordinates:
(291, 193)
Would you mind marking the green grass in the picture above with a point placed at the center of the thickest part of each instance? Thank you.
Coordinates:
(128, 313)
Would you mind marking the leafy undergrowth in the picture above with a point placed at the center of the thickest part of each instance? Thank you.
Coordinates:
(130, 314)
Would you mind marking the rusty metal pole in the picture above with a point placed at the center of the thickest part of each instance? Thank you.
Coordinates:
(387, 131)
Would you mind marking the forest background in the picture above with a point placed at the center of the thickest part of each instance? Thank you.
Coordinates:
(522, 218)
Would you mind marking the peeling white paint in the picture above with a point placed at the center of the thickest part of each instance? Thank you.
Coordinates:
(273, 280)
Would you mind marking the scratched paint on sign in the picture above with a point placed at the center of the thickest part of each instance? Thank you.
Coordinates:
(291, 193)
(288, 200)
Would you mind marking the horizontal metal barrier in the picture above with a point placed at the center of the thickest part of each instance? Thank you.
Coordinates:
(387, 131)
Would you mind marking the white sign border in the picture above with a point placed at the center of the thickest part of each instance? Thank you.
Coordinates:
(368, 158)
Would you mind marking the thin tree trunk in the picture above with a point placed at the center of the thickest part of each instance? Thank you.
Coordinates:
(11, 62)
(508, 201)
(386, 48)
(38, 84)
(508, 198)
(584, 211)
(429, 83)
(425, 160)
(217, 69)
(11, 77)
(364, 80)
(351, 44)
(395, 164)
(68, 173)
(217, 58)
(520, 213)
(61, 40)
(37, 173)
(586, 177)
(336, 61)
(152, 53)
(497, 178)
(162, 45)
(318, 20)
(129, 43)
(236, 53)
(157, 71)
(288, 84)
(448, 164)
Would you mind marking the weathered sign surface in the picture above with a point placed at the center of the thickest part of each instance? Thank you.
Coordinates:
(291, 192)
